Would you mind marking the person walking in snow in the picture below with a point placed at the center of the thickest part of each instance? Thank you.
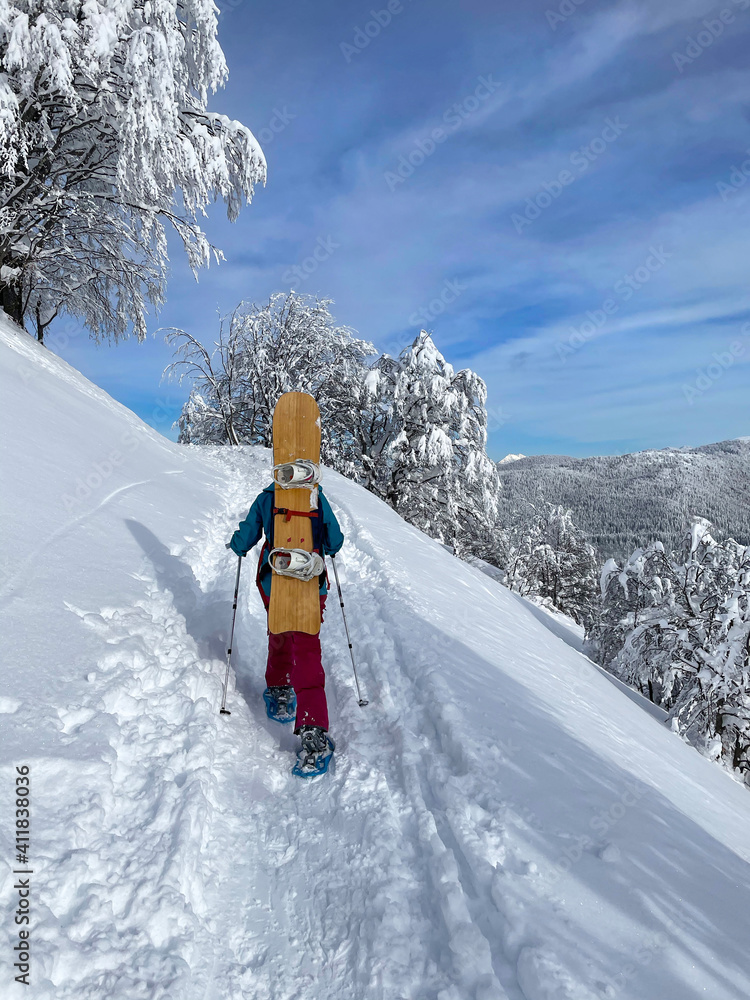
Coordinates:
(295, 677)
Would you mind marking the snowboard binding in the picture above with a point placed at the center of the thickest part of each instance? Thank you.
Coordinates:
(281, 703)
(299, 563)
(297, 475)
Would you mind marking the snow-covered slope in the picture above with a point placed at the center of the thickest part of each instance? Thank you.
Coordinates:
(502, 822)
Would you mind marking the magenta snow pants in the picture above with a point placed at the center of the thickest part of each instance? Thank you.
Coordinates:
(294, 658)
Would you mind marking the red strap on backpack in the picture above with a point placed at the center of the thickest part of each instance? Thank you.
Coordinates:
(294, 513)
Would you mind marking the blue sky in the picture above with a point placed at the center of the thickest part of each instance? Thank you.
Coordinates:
(576, 230)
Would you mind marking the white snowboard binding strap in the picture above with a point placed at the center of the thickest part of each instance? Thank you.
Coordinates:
(298, 563)
(301, 474)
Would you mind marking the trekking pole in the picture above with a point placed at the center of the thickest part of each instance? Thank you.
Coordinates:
(362, 701)
(224, 710)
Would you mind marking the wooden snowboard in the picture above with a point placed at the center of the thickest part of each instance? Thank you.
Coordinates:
(295, 604)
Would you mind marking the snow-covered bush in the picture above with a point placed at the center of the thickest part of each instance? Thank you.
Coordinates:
(105, 141)
(201, 423)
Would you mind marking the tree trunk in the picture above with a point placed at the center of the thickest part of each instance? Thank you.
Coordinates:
(12, 302)
(231, 433)
(40, 327)
(737, 761)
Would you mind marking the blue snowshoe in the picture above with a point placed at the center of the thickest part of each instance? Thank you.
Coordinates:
(281, 703)
(315, 754)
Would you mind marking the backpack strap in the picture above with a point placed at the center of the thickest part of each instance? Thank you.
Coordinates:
(265, 548)
(289, 514)
(316, 517)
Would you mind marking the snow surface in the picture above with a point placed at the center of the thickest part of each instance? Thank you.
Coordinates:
(502, 821)
(570, 632)
(510, 458)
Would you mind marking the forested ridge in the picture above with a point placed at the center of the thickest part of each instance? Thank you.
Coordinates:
(623, 502)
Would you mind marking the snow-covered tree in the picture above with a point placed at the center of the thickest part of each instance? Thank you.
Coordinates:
(293, 343)
(410, 429)
(636, 600)
(201, 423)
(563, 564)
(710, 704)
(215, 408)
(678, 628)
(544, 555)
(105, 142)
(290, 344)
(423, 435)
(508, 544)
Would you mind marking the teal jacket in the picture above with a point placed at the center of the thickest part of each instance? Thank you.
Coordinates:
(259, 521)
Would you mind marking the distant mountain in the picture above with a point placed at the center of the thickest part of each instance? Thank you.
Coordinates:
(510, 458)
(623, 501)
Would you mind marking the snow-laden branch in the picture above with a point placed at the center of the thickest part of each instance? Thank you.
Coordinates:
(105, 139)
